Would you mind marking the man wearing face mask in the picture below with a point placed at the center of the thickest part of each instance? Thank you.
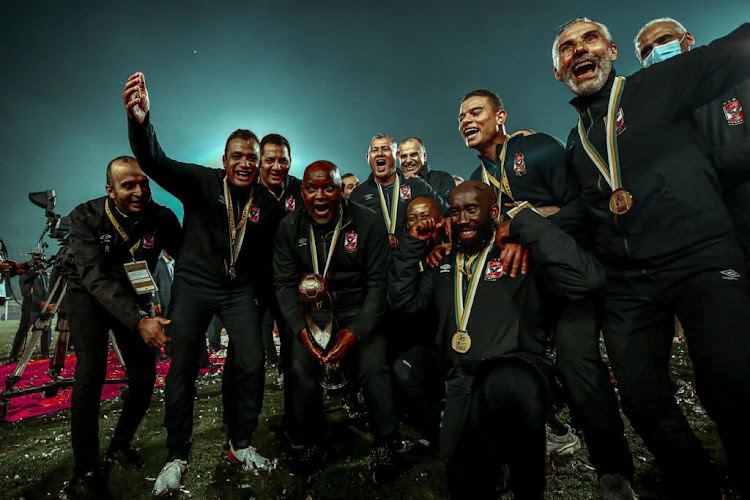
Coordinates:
(346, 244)
(387, 191)
(412, 156)
(666, 239)
(721, 123)
(216, 274)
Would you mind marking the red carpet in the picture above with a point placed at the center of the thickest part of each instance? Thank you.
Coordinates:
(36, 404)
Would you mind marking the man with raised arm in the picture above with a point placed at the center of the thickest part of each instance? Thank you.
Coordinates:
(216, 274)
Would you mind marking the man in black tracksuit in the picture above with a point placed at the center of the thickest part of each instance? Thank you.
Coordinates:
(536, 171)
(384, 177)
(34, 286)
(673, 252)
(412, 157)
(722, 125)
(106, 233)
(216, 274)
(497, 396)
(357, 281)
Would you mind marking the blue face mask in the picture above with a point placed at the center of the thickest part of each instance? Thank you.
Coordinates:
(661, 53)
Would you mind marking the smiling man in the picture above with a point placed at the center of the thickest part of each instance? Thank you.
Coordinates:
(412, 156)
(387, 191)
(353, 240)
(216, 274)
(491, 330)
(349, 182)
(105, 234)
(721, 123)
(666, 239)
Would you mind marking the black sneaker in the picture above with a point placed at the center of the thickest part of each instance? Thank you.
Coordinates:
(91, 485)
(309, 460)
(126, 457)
(384, 463)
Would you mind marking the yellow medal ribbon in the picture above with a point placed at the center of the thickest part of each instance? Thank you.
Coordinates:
(390, 218)
(119, 228)
(314, 249)
(611, 171)
(463, 306)
(236, 233)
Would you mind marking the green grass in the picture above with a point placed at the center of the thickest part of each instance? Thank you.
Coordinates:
(35, 454)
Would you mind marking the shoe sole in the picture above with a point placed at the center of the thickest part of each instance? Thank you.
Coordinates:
(568, 449)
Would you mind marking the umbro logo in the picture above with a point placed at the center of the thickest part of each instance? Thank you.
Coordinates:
(302, 242)
(221, 199)
(445, 268)
(369, 196)
(730, 275)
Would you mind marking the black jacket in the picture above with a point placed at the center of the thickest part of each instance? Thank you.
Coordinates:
(358, 274)
(538, 173)
(99, 252)
(367, 194)
(677, 203)
(441, 182)
(509, 314)
(205, 259)
(273, 211)
(33, 290)
(724, 128)
(163, 279)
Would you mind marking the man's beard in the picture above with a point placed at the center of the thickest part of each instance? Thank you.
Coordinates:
(591, 87)
(484, 229)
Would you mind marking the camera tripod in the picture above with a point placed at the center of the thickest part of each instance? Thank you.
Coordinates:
(55, 296)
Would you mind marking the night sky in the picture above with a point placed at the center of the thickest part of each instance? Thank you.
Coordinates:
(328, 76)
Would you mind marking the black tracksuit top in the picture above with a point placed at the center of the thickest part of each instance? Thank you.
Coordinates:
(99, 252)
(677, 202)
(441, 182)
(204, 261)
(358, 274)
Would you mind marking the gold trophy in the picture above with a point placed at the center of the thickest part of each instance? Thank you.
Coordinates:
(313, 289)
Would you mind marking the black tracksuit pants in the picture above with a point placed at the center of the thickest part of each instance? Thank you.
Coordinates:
(89, 329)
(708, 292)
(505, 425)
(420, 385)
(28, 318)
(366, 362)
(590, 393)
(243, 378)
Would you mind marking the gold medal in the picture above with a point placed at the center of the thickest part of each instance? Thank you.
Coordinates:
(620, 202)
(461, 342)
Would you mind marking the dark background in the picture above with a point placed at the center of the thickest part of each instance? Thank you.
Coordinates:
(327, 75)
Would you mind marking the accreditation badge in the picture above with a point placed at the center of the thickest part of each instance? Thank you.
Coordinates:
(140, 277)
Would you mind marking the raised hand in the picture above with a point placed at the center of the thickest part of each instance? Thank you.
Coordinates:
(425, 229)
(135, 97)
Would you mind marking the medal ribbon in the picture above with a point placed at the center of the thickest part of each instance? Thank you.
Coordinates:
(236, 233)
(390, 219)
(314, 249)
(463, 306)
(611, 172)
(119, 228)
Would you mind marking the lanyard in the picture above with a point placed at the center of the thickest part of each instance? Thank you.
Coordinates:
(464, 305)
(611, 172)
(488, 178)
(119, 228)
(236, 233)
(390, 218)
(314, 249)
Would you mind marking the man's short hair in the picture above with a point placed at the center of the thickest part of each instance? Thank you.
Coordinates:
(678, 27)
(240, 133)
(495, 102)
(276, 139)
(348, 174)
(417, 139)
(391, 140)
(568, 24)
(124, 159)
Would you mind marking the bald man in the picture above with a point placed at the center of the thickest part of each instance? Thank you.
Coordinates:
(354, 240)
(721, 123)
(412, 156)
(491, 328)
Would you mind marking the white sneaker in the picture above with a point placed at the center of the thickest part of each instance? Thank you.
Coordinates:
(563, 445)
(170, 477)
(248, 457)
